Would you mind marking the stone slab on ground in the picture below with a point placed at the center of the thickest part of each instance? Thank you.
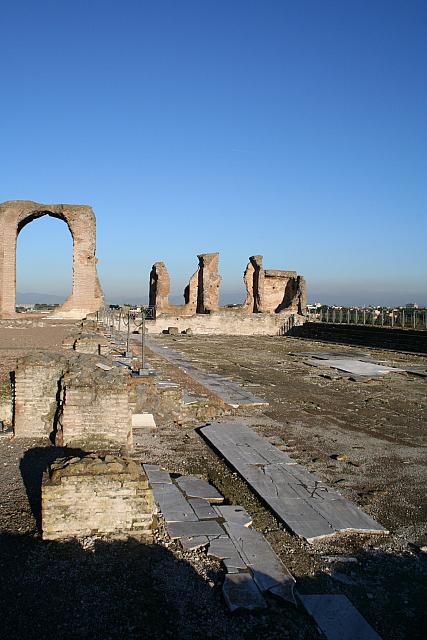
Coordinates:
(157, 475)
(235, 514)
(190, 544)
(337, 618)
(267, 569)
(196, 488)
(241, 592)
(230, 392)
(305, 504)
(192, 529)
(143, 420)
(203, 509)
(173, 504)
(354, 366)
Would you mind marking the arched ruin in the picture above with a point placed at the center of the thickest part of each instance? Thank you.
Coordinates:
(86, 296)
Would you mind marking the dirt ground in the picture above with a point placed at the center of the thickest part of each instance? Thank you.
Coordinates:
(113, 590)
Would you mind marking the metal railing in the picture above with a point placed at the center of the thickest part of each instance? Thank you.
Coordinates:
(384, 317)
(128, 321)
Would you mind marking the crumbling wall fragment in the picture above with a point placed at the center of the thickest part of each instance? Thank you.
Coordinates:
(209, 282)
(86, 296)
(97, 495)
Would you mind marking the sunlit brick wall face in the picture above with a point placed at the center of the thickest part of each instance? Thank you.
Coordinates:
(104, 496)
(86, 295)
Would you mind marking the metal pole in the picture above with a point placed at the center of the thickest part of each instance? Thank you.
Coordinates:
(143, 341)
(128, 338)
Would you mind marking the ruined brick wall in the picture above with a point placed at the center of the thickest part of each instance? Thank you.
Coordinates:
(72, 401)
(209, 282)
(86, 296)
(37, 389)
(267, 290)
(103, 496)
(96, 412)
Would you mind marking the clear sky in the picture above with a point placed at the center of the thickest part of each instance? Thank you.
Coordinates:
(292, 129)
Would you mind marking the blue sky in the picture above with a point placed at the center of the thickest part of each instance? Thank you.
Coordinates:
(296, 130)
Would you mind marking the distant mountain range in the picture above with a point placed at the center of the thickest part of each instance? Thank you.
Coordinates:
(38, 298)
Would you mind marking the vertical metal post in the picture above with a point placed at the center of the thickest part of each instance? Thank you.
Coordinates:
(120, 318)
(392, 318)
(403, 319)
(143, 340)
(128, 337)
(364, 316)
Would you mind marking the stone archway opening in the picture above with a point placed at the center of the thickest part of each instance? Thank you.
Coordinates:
(44, 262)
(86, 296)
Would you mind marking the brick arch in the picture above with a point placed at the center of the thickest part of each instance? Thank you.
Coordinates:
(86, 296)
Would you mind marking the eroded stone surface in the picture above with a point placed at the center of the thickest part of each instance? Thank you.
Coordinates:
(103, 496)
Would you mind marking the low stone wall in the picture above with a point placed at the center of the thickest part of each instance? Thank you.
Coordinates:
(230, 323)
(72, 401)
(97, 496)
(96, 412)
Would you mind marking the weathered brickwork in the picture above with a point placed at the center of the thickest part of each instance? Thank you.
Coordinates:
(97, 496)
(73, 402)
(86, 296)
(96, 411)
(37, 389)
(268, 291)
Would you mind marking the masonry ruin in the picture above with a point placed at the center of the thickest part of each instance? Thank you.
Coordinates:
(97, 495)
(86, 296)
(275, 300)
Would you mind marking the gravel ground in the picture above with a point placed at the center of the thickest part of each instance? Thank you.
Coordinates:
(125, 590)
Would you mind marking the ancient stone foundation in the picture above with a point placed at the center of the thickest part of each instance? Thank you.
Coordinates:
(97, 496)
(73, 402)
(86, 296)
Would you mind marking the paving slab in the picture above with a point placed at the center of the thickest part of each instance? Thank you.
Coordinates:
(173, 504)
(353, 366)
(235, 514)
(337, 618)
(143, 420)
(192, 529)
(241, 592)
(203, 509)
(196, 488)
(306, 505)
(190, 544)
(157, 475)
(229, 391)
(267, 569)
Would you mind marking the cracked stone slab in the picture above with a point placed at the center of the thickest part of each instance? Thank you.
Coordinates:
(267, 569)
(241, 592)
(193, 529)
(307, 506)
(337, 618)
(196, 488)
(190, 544)
(203, 509)
(234, 513)
(173, 505)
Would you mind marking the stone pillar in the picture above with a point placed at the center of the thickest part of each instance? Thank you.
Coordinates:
(302, 295)
(190, 293)
(258, 284)
(208, 283)
(159, 287)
